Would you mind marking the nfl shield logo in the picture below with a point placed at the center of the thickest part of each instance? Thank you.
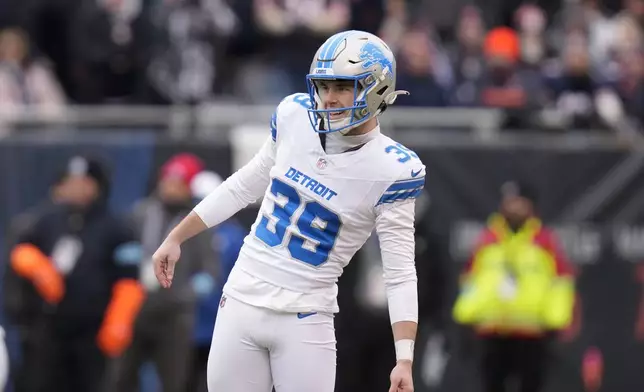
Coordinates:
(222, 303)
(322, 163)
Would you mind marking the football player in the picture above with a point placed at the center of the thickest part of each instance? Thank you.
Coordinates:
(328, 177)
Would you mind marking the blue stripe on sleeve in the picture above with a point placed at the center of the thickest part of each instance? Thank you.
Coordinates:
(399, 196)
(402, 190)
(406, 184)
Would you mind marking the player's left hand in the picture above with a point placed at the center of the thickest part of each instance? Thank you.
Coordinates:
(401, 379)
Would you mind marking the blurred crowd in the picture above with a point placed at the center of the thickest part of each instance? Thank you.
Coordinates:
(581, 60)
(80, 294)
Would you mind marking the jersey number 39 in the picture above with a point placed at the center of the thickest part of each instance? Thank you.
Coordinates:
(318, 227)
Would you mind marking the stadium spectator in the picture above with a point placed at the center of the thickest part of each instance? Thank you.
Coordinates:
(530, 22)
(415, 73)
(21, 303)
(187, 61)
(82, 263)
(25, 80)
(109, 44)
(516, 290)
(573, 86)
(504, 82)
(466, 52)
(630, 84)
(167, 312)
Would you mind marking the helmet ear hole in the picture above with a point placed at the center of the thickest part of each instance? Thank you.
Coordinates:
(382, 90)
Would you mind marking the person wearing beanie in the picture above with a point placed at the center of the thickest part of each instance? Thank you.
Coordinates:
(507, 84)
(21, 303)
(82, 264)
(517, 289)
(167, 312)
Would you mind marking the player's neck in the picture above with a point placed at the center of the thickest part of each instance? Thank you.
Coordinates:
(365, 128)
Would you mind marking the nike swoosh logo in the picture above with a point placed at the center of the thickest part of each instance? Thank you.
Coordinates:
(305, 315)
(414, 174)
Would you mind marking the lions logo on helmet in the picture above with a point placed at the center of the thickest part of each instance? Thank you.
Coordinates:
(365, 60)
(371, 54)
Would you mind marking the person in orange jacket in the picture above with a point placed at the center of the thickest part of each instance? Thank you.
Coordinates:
(83, 264)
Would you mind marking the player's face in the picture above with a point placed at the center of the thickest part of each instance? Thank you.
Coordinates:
(336, 94)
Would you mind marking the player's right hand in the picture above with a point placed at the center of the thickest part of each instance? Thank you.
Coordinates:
(164, 259)
(401, 377)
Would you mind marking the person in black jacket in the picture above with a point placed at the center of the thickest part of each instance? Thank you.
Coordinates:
(83, 263)
(21, 303)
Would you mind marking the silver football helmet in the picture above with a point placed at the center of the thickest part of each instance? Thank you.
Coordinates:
(360, 57)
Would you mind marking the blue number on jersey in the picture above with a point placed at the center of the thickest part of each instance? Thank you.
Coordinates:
(324, 234)
(402, 151)
(316, 223)
(283, 214)
(304, 100)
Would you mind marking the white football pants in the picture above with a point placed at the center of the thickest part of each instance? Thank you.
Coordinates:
(254, 349)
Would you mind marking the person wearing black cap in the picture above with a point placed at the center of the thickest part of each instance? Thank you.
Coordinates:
(21, 303)
(516, 291)
(83, 265)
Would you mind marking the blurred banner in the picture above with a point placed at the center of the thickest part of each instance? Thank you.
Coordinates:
(594, 197)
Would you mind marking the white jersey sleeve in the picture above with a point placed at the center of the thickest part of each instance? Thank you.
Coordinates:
(395, 229)
(245, 186)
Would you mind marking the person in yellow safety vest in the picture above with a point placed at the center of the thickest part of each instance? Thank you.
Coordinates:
(517, 288)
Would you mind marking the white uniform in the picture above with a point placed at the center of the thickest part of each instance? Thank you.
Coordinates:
(275, 324)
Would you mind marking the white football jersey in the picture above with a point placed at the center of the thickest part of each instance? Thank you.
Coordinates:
(317, 212)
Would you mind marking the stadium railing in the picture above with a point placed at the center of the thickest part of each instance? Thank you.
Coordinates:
(411, 126)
